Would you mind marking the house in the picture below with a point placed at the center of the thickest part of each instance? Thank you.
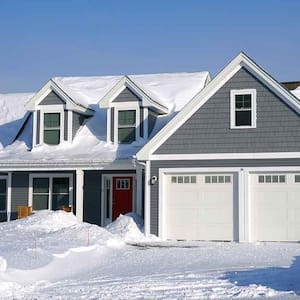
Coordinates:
(227, 166)
(72, 144)
(200, 159)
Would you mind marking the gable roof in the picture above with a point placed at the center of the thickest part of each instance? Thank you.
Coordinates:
(240, 61)
(173, 90)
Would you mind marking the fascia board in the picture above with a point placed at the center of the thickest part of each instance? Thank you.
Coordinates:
(241, 60)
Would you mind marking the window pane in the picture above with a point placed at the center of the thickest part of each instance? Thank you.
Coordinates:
(193, 179)
(227, 179)
(2, 186)
(2, 202)
(214, 179)
(40, 185)
(207, 179)
(60, 185)
(126, 135)
(297, 178)
(247, 101)
(243, 118)
(221, 179)
(51, 120)
(40, 202)
(51, 137)
(180, 179)
(186, 179)
(243, 101)
(275, 178)
(59, 201)
(173, 179)
(126, 117)
(261, 179)
(268, 178)
(281, 178)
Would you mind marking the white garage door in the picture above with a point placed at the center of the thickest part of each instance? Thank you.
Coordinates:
(198, 207)
(275, 207)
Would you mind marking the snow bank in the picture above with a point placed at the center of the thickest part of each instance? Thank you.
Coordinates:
(130, 228)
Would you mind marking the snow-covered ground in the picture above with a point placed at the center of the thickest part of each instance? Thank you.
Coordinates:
(50, 256)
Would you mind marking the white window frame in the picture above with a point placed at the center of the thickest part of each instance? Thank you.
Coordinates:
(124, 106)
(234, 93)
(50, 177)
(5, 178)
(48, 110)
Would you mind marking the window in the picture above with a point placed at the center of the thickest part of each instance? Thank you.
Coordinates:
(52, 128)
(243, 108)
(297, 178)
(183, 179)
(51, 192)
(123, 184)
(3, 195)
(126, 126)
(271, 179)
(217, 179)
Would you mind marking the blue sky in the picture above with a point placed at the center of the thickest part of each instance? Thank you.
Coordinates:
(41, 39)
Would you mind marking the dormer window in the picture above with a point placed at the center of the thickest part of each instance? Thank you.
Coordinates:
(52, 128)
(243, 108)
(126, 126)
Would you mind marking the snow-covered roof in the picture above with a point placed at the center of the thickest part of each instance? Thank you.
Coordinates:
(172, 90)
(12, 116)
(296, 92)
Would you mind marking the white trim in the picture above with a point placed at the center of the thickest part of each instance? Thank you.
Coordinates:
(145, 122)
(50, 176)
(122, 107)
(234, 93)
(79, 194)
(108, 125)
(241, 60)
(241, 206)
(139, 192)
(147, 213)
(214, 156)
(126, 82)
(70, 126)
(6, 206)
(56, 109)
(34, 128)
(9, 188)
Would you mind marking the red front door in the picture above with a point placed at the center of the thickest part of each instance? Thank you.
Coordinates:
(122, 196)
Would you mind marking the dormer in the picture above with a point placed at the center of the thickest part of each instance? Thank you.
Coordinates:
(131, 113)
(56, 117)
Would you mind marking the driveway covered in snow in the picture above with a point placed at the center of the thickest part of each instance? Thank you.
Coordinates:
(50, 255)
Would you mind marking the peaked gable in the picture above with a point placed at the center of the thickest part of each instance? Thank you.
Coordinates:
(127, 95)
(239, 62)
(51, 99)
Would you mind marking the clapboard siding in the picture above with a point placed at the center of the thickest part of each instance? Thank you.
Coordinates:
(52, 99)
(127, 96)
(208, 129)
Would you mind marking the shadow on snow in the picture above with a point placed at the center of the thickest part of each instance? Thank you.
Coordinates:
(277, 278)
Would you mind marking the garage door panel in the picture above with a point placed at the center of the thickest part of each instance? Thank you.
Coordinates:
(198, 211)
(275, 208)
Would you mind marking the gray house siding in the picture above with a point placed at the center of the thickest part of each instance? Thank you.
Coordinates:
(65, 125)
(51, 99)
(127, 96)
(152, 116)
(19, 191)
(92, 197)
(156, 165)
(78, 120)
(208, 130)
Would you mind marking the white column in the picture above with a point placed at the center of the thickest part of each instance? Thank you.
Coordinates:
(139, 185)
(79, 195)
(147, 213)
(9, 181)
(146, 121)
(239, 184)
(108, 125)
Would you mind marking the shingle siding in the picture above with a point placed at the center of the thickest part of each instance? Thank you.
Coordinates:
(51, 99)
(127, 96)
(19, 191)
(208, 130)
(156, 165)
